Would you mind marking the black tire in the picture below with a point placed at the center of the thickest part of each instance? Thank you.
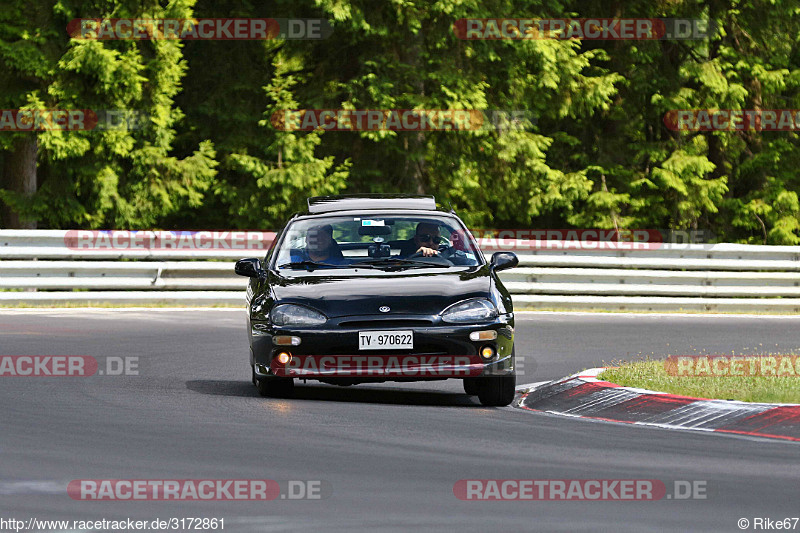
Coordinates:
(276, 387)
(471, 386)
(497, 391)
(253, 375)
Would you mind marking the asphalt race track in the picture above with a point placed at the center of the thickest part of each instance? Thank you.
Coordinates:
(388, 454)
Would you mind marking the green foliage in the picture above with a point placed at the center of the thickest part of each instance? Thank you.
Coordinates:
(276, 184)
(595, 153)
(118, 177)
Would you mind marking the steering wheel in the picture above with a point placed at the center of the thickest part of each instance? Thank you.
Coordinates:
(441, 248)
(437, 259)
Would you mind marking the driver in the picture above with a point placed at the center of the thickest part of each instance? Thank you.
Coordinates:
(425, 241)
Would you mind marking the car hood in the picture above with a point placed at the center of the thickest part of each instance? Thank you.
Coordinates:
(414, 292)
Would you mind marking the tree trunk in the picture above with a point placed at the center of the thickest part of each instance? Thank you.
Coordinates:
(415, 171)
(19, 175)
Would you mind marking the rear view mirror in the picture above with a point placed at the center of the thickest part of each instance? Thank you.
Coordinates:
(250, 267)
(374, 230)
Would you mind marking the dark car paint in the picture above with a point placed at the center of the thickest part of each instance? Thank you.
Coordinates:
(418, 295)
(425, 291)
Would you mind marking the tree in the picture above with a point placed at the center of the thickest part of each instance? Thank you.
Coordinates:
(109, 176)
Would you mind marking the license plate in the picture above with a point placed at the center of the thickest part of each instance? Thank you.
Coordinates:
(385, 340)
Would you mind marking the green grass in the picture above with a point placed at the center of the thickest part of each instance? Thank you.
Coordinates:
(652, 375)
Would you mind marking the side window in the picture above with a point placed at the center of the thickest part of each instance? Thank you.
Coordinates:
(345, 232)
(292, 239)
(271, 248)
(404, 230)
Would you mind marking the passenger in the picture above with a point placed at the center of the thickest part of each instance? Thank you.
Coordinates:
(320, 247)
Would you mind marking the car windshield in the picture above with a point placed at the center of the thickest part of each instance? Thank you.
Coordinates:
(376, 241)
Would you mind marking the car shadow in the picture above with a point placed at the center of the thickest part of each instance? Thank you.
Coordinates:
(363, 393)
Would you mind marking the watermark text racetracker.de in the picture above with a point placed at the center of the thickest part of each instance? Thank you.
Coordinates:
(28, 120)
(591, 29)
(401, 120)
(199, 29)
(733, 365)
(67, 366)
(521, 240)
(578, 490)
(168, 240)
(732, 119)
(380, 365)
(198, 489)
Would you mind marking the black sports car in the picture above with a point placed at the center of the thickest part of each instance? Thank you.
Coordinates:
(375, 288)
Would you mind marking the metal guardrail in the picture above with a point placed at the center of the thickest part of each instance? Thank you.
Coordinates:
(39, 267)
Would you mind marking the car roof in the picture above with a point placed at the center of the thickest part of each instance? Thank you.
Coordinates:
(357, 202)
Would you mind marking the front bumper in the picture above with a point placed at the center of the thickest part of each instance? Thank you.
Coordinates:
(330, 353)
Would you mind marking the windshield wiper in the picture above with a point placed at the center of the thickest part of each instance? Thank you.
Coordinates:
(310, 265)
(399, 262)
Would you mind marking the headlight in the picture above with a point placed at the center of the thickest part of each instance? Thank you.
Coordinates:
(296, 315)
(476, 310)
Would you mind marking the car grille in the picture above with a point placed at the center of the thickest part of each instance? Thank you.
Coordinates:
(388, 323)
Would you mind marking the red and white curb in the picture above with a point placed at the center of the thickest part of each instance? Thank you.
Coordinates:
(582, 395)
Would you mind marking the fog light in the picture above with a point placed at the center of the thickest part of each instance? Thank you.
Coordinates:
(283, 358)
(286, 340)
(487, 335)
(260, 330)
(487, 352)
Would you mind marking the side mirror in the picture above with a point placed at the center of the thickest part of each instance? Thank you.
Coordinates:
(250, 267)
(503, 260)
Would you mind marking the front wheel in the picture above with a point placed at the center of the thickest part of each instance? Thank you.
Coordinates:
(472, 386)
(276, 387)
(497, 391)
